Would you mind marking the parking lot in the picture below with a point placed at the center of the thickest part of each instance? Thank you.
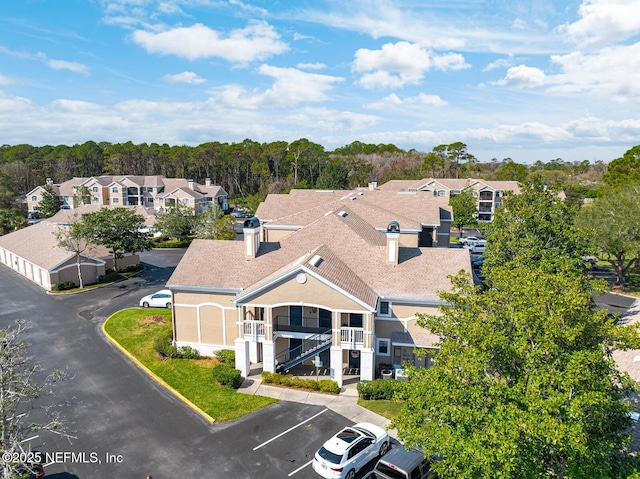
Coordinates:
(127, 426)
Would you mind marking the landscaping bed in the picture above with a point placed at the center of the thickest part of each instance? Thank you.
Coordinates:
(136, 330)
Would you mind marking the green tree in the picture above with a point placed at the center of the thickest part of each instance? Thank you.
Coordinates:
(464, 209)
(624, 170)
(612, 223)
(334, 176)
(118, 229)
(49, 205)
(512, 171)
(535, 227)
(524, 384)
(75, 238)
(176, 222)
(214, 224)
(82, 196)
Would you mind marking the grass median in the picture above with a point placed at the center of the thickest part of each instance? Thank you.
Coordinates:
(136, 330)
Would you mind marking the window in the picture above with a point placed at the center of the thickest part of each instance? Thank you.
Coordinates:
(383, 347)
(34, 198)
(441, 193)
(95, 189)
(116, 200)
(385, 308)
(96, 199)
(185, 201)
(114, 189)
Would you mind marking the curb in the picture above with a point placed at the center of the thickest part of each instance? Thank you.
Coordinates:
(154, 376)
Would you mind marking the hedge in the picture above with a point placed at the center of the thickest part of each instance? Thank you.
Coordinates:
(383, 389)
(226, 356)
(227, 376)
(291, 381)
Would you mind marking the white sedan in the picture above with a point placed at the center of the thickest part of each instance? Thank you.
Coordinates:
(342, 456)
(161, 299)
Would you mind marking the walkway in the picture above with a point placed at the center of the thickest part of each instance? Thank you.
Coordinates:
(345, 404)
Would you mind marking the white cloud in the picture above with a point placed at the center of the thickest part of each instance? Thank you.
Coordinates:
(604, 21)
(394, 100)
(4, 80)
(184, 77)
(311, 66)
(519, 24)
(290, 88)
(522, 76)
(613, 72)
(401, 63)
(499, 63)
(65, 65)
(257, 41)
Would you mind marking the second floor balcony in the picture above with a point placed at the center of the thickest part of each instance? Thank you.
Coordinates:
(300, 324)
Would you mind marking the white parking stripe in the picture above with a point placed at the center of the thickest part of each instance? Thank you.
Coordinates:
(289, 430)
(30, 439)
(300, 468)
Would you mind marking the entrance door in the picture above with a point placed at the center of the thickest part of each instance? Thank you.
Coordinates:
(324, 318)
(295, 315)
(294, 348)
(354, 359)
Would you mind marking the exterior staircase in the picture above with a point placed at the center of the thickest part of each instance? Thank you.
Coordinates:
(309, 348)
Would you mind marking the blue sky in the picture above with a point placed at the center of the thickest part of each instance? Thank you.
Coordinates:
(530, 80)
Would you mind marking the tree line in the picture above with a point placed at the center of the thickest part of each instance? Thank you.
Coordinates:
(252, 168)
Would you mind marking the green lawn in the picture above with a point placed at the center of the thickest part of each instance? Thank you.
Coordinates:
(136, 329)
(388, 409)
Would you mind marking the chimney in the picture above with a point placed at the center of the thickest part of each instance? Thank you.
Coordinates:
(251, 231)
(393, 242)
(207, 181)
(191, 184)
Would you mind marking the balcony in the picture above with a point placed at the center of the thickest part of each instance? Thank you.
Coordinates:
(301, 325)
(351, 338)
(254, 330)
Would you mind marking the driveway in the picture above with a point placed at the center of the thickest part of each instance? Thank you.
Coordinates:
(125, 425)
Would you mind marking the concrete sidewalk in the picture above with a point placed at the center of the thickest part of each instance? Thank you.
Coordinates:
(345, 404)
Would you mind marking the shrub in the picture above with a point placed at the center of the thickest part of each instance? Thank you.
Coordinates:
(172, 243)
(227, 376)
(132, 268)
(324, 385)
(187, 352)
(381, 389)
(162, 345)
(64, 285)
(110, 277)
(226, 356)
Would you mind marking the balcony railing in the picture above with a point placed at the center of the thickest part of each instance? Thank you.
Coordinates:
(351, 338)
(308, 325)
(254, 330)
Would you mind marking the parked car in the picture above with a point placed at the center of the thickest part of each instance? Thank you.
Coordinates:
(33, 215)
(161, 299)
(342, 456)
(478, 247)
(240, 214)
(400, 463)
(469, 240)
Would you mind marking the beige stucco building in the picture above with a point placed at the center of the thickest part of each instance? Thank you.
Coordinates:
(336, 286)
(156, 192)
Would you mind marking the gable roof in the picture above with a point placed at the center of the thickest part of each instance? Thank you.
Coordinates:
(356, 254)
(39, 245)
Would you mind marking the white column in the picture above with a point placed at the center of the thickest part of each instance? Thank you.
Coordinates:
(269, 356)
(336, 364)
(242, 357)
(253, 351)
(367, 359)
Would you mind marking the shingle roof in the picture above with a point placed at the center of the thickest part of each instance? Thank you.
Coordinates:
(377, 208)
(39, 245)
(358, 249)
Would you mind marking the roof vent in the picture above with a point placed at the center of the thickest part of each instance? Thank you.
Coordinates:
(353, 198)
(393, 227)
(342, 213)
(252, 222)
(316, 260)
(361, 193)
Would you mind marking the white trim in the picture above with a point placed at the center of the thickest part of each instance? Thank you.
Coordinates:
(199, 305)
(379, 341)
(242, 300)
(379, 313)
